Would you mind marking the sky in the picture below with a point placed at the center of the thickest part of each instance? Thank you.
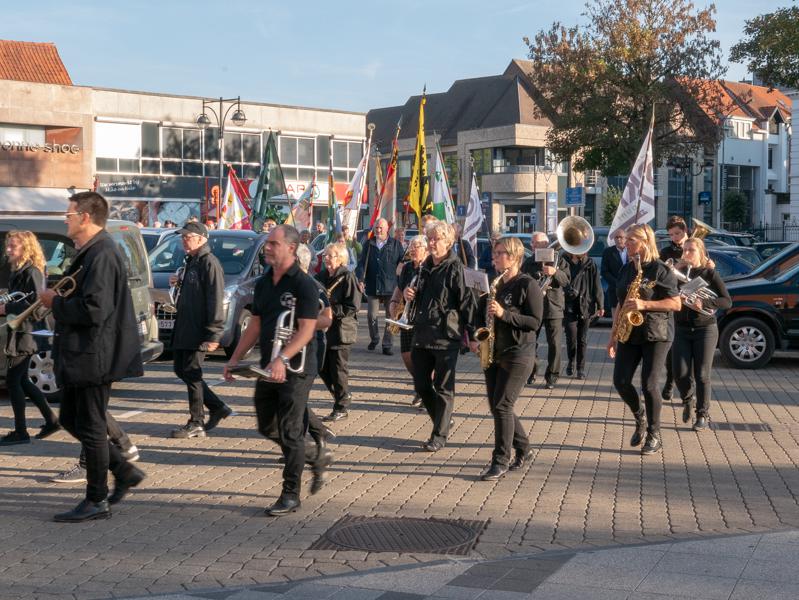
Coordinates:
(340, 54)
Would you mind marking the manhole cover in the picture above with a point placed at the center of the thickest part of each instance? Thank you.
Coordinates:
(383, 534)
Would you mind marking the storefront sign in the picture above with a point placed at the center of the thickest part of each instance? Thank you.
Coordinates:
(47, 148)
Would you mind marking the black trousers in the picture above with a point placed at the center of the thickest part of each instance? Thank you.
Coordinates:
(335, 374)
(19, 387)
(576, 339)
(313, 425)
(553, 329)
(504, 381)
(669, 383)
(650, 356)
(189, 368)
(286, 404)
(434, 381)
(83, 414)
(692, 354)
(115, 433)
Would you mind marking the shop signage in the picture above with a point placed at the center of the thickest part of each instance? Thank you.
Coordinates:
(47, 148)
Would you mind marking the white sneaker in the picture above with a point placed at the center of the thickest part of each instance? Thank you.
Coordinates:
(131, 454)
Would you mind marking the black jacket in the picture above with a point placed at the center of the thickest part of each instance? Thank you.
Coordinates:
(380, 267)
(611, 267)
(96, 338)
(523, 302)
(584, 295)
(672, 251)
(27, 279)
(554, 301)
(444, 307)
(345, 300)
(486, 263)
(687, 317)
(200, 316)
(658, 283)
(467, 251)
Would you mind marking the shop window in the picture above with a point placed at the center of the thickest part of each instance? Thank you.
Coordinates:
(232, 147)
(194, 169)
(149, 140)
(172, 142)
(305, 152)
(339, 155)
(151, 166)
(251, 145)
(107, 165)
(211, 143)
(171, 168)
(191, 144)
(322, 151)
(127, 165)
(355, 150)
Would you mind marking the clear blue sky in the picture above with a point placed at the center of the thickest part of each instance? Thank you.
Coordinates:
(345, 54)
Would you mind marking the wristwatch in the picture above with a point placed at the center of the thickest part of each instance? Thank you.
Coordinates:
(283, 358)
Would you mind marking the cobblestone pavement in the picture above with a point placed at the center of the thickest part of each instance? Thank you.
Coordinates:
(197, 522)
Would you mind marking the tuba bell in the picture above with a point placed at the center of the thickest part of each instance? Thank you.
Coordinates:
(575, 235)
(701, 229)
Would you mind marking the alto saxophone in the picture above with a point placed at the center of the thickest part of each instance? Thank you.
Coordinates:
(485, 335)
(626, 319)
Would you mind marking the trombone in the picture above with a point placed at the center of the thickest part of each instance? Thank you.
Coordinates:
(38, 311)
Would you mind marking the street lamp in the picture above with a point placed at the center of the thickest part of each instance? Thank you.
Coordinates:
(203, 122)
(685, 166)
(547, 170)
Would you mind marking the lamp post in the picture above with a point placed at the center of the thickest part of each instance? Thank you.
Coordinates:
(547, 170)
(685, 166)
(238, 118)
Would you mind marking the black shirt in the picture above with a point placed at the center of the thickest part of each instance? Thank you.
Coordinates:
(271, 300)
(658, 283)
(554, 301)
(672, 251)
(523, 302)
(406, 275)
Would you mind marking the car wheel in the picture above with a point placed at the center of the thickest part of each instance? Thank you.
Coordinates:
(42, 375)
(747, 343)
(244, 320)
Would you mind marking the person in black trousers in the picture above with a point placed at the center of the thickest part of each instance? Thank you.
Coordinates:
(516, 312)
(583, 301)
(444, 309)
(613, 259)
(648, 343)
(198, 328)
(96, 342)
(26, 259)
(696, 335)
(283, 289)
(553, 278)
(345, 300)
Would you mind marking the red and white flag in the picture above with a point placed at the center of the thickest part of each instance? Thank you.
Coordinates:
(235, 208)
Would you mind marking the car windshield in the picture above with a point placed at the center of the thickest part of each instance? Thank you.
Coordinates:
(779, 263)
(233, 252)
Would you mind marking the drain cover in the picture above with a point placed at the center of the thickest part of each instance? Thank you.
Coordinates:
(727, 426)
(384, 534)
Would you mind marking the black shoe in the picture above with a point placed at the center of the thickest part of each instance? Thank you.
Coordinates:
(371, 346)
(521, 459)
(531, 379)
(701, 423)
(494, 472)
(216, 416)
(324, 458)
(580, 374)
(122, 487)
(336, 415)
(569, 370)
(47, 430)
(388, 352)
(417, 401)
(667, 392)
(12, 438)
(85, 511)
(652, 444)
(283, 506)
(640, 431)
(432, 446)
(687, 408)
(550, 383)
(189, 430)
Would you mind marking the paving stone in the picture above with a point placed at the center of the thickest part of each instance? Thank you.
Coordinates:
(692, 586)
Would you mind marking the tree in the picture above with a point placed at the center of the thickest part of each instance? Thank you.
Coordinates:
(771, 47)
(598, 84)
(735, 207)
(612, 199)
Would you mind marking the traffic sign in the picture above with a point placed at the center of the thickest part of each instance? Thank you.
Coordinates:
(574, 196)
(704, 197)
(460, 210)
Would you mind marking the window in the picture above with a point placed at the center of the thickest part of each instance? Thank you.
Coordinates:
(149, 141)
(29, 134)
(770, 157)
(297, 158)
(172, 142)
(118, 147)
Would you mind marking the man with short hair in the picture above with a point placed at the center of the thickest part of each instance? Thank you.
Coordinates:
(678, 233)
(95, 344)
(320, 229)
(377, 277)
(613, 260)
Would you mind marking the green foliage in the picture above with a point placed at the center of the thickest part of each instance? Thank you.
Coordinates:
(735, 207)
(771, 47)
(273, 211)
(612, 199)
(598, 83)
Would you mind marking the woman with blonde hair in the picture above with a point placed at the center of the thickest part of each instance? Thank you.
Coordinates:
(649, 342)
(26, 259)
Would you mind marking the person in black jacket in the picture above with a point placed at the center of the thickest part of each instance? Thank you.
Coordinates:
(648, 343)
(444, 309)
(516, 311)
(377, 274)
(463, 249)
(613, 259)
(696, 334)
(198, 328)
(345, 300)
(96, 342)
(553, 278)
(583, 301)
(27, 267)
(678, 233)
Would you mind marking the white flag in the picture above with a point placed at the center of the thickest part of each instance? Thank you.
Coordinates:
(440, 192)
(640, 184)
(352, 199)
(474, 216)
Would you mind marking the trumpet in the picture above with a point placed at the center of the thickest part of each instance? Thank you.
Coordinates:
(174, 291)
(283, 333)
(38, 311)
(14, 297)
(408, 313)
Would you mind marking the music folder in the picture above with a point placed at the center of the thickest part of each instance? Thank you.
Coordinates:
(476, 280)
(545, 255)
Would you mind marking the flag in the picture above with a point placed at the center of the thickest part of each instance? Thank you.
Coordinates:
(235, 210)
(355, 191)
(333, 218)
(637, 204)
(418, 193)
(441, 194)
(271, 185)
(300, 215)
(474, 216)
(386, 196)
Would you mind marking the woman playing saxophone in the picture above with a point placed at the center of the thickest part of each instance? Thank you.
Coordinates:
(515, 312)
(640, 333)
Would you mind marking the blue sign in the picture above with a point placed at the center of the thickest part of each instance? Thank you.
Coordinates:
(705, 197)
(574, 196)
(460, 210)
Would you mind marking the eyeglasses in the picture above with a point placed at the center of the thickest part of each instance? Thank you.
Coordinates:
(500, 253)
(69, 214)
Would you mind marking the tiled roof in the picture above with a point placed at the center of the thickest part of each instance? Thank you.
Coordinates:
(32, 61)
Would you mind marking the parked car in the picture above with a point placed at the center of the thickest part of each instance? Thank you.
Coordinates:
(58, 252)
(152, 236)
(241, 255)
(733, 239)
(744, 253)
(764, 317)
(779, 263)
(728, 264)
(769, 249)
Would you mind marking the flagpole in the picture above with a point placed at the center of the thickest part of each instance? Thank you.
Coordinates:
(643, 179)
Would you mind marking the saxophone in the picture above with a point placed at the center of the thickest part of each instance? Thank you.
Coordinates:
(627, 319)
(485, 335)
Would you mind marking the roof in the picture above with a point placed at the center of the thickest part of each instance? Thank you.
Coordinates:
(32, 61)
(757, 101)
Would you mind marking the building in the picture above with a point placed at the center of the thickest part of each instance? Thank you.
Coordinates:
(794, 165)
(145, 151)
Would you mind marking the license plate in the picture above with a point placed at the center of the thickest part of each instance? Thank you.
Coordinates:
(143, 327)
(166, 324)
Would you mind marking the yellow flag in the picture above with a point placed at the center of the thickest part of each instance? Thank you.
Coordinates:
(418, 193)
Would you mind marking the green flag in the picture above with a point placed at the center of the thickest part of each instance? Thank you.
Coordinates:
(271, 185)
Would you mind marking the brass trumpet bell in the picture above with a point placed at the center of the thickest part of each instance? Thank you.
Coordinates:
(575, 235)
